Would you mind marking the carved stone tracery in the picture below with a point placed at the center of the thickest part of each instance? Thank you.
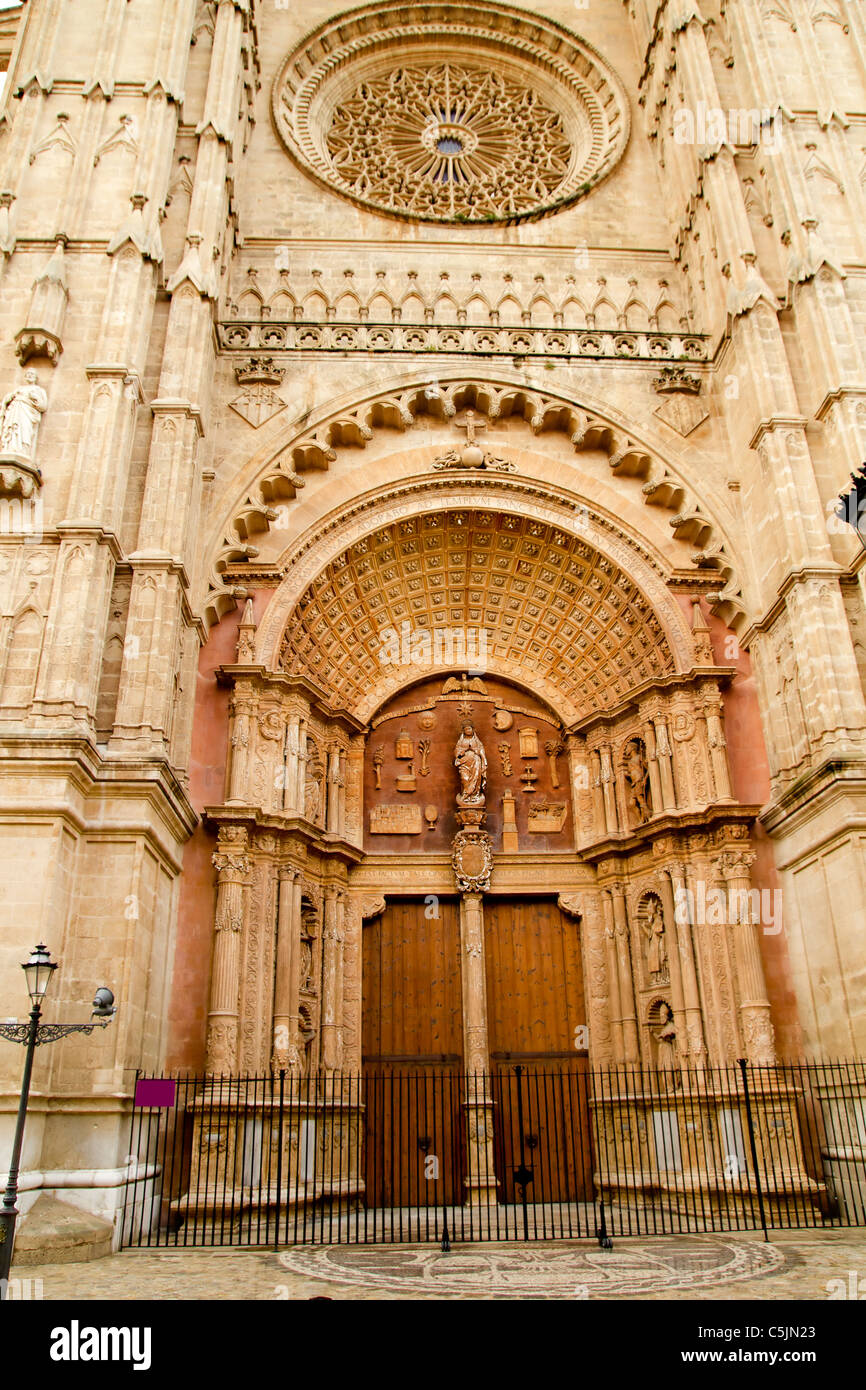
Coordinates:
(481, 115)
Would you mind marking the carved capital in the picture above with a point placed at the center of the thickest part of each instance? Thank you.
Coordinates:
(737, 864)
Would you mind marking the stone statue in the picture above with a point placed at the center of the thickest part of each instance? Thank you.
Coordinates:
(666, 1039)
(22, 409)
(470, 760)
(657, 954)
(637, 781)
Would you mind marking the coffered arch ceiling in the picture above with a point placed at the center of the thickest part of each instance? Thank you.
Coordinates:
(276, 476)
(560, 616)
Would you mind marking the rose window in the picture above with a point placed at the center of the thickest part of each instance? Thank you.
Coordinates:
(451, 113)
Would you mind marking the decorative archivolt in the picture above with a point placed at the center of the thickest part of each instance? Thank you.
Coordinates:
(552, 609)
(279, 476)
(572, 606)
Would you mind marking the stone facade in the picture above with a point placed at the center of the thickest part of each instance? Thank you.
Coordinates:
(577, 328)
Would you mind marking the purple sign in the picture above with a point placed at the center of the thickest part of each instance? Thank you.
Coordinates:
(156, 1092)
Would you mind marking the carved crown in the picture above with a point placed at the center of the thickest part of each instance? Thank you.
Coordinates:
(259, 369)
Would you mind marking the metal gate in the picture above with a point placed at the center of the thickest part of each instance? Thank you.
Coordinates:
(522, 1153)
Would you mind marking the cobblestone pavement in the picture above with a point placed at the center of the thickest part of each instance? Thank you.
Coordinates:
(794, 1265)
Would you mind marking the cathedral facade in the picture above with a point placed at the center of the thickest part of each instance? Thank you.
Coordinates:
(428, 636)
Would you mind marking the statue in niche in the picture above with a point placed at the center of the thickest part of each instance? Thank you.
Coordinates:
(470, 760)
(657, 951)
(666, 1039)
(637, 781)
(22, 409)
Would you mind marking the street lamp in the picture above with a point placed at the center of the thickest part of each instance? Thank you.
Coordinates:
(852, 504)
(38, 971)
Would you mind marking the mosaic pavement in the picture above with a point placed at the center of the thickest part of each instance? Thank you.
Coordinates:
(795, 1265)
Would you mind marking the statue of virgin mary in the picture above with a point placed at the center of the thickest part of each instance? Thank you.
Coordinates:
(470, 760)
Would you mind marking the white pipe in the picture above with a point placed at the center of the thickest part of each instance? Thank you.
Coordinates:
(88, 1177)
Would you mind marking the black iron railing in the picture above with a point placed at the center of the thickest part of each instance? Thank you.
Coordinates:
(524, 1152)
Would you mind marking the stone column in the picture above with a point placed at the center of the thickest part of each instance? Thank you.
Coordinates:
(608, 786)
(649, 738)
(665, 765)
(300, 785)
(232, 864)
(241, 731)
(672, 928)
(330, 967)
(290, 771)
(286, 968)
(343, 772)
(598, 801)
(613, 977)
(683, 927)
(342, 916)
(481, 1178)
(626, 977)
(717, 746)
(331, 790)
(757, 1027)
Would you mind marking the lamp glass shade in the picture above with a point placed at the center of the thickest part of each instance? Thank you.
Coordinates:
(38, 971)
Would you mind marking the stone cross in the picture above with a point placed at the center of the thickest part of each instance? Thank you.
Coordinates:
(472, 423)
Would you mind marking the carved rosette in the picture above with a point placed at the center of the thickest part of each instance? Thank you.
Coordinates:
(472, 860)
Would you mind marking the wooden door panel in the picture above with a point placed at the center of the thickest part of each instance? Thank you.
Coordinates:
(534, 979)
(535, 1002)
(411, 987)
(412, 1039)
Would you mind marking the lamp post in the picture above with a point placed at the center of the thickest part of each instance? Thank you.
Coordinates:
(852, 504)
(38, 971)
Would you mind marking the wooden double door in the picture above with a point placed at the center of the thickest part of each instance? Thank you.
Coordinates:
(413, 1052)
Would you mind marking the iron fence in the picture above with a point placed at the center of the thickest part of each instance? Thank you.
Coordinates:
(524, 1152)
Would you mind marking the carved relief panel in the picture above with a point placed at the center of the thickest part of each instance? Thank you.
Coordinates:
(411, 781)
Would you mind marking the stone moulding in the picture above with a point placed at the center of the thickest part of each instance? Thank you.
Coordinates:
(477, 124)
(238, 335)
